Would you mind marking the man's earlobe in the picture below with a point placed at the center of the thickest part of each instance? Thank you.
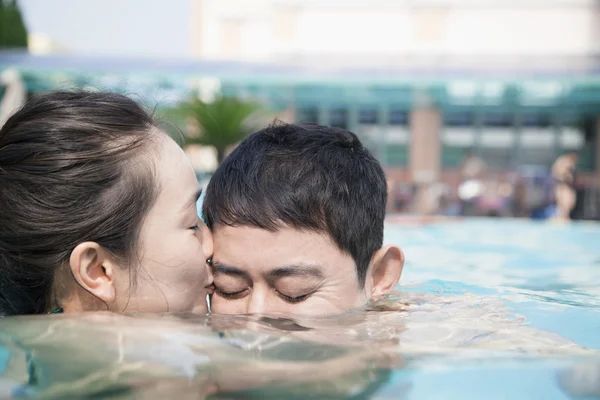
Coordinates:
(386, 269)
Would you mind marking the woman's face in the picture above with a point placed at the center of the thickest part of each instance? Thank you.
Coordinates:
(172, 274)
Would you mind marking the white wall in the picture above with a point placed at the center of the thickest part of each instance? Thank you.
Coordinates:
(363, 31)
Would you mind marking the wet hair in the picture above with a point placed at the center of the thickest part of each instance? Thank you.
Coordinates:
(72, 169)
(308, 177)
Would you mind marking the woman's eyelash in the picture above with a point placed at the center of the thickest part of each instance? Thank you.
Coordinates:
(195, 227)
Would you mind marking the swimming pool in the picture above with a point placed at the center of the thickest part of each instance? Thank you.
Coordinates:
(546, 276)
(494, 309)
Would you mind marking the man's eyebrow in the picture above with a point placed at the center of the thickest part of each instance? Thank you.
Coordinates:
(220, 268)
(300, 270)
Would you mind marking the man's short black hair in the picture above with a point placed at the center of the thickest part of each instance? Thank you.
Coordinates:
(308, 177)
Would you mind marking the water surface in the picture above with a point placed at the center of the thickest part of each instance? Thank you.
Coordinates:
(486, 309)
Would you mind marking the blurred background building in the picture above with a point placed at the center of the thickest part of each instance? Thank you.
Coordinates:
(429, 85)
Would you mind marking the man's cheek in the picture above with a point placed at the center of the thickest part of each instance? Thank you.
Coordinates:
(221, 306)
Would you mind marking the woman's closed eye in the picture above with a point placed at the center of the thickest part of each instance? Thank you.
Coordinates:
(196, 227)
(195, 224)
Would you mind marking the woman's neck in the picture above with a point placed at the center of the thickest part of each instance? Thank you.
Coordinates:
(69, 296)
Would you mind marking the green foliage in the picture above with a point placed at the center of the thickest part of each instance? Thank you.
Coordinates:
(13, 33)
(223, 122)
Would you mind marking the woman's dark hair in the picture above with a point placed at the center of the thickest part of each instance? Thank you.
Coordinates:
(72, 169)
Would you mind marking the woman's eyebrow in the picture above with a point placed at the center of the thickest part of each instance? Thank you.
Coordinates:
(192, 200)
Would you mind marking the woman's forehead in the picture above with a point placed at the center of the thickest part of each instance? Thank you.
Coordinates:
(174, 174)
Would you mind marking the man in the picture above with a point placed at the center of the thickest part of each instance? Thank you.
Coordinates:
(297, 216)
(563, 172)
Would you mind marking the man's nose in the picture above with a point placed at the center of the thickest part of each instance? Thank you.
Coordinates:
(256, 304)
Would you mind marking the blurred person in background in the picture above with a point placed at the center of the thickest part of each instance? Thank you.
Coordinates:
(472, 170)
(472, 167)
(563, 172)
(14, 95)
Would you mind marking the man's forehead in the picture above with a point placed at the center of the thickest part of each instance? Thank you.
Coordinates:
(254, 249)
(283, 233)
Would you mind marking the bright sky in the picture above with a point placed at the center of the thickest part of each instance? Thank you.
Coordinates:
(154, 28)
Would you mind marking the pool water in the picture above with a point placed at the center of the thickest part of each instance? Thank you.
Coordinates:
(494, 309)
(537, 288)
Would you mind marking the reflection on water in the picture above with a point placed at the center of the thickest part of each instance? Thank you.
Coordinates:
(57, 356)
(480, 314)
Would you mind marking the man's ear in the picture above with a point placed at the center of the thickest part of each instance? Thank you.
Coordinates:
(94, 270)
(385, 270)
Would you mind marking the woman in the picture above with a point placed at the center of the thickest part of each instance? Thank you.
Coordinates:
(97, 211)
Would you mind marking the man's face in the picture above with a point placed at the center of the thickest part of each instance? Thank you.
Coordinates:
(289, 271)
